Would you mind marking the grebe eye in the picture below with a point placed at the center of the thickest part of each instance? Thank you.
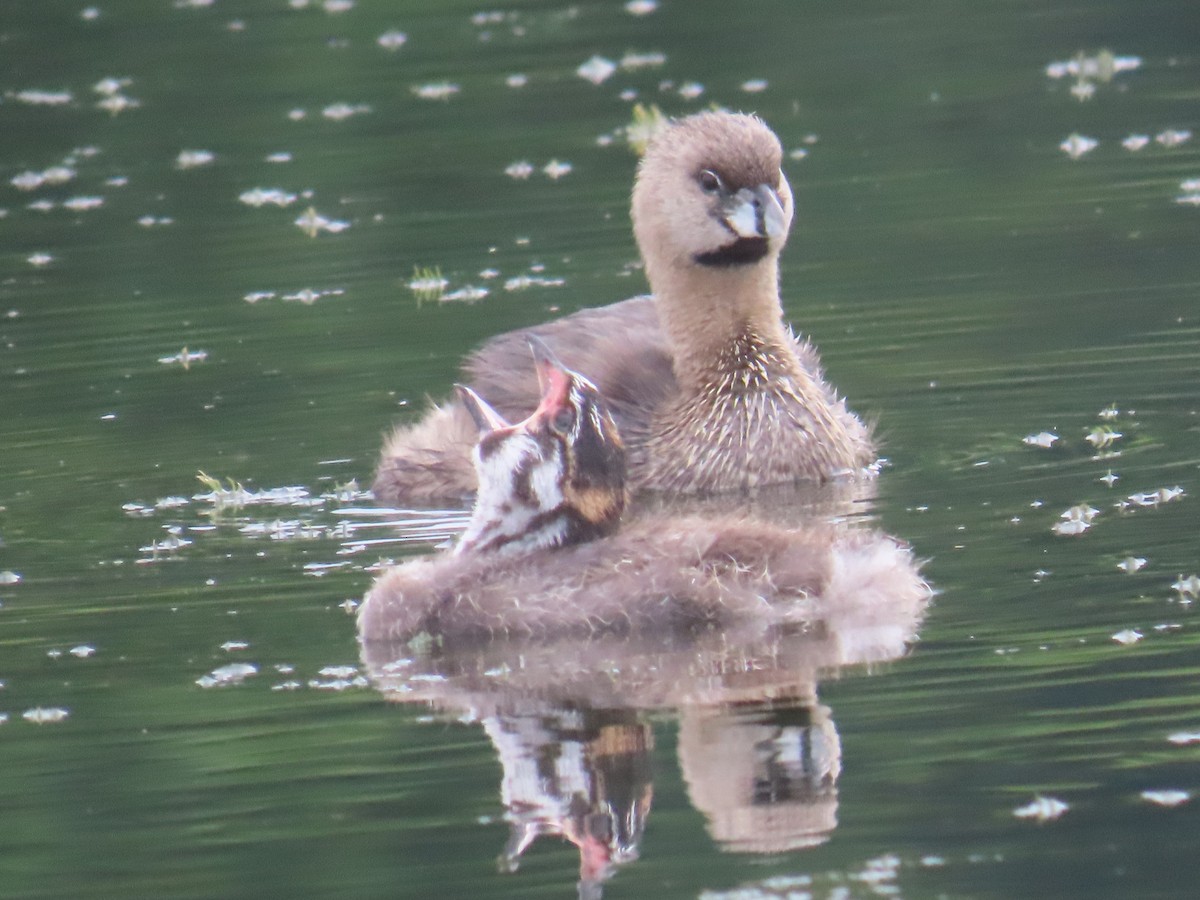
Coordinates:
(564, 420)
(710, 181)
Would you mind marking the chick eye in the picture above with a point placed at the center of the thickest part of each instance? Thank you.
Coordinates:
(710, 181)
(564, 420)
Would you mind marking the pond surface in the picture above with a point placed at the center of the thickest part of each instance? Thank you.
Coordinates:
(210, 217)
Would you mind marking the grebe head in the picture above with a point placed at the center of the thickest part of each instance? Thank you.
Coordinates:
(556, 478)
(710, 192)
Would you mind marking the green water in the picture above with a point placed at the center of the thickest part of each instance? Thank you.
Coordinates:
(967, 282)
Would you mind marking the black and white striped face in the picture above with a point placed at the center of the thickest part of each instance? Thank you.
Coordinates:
(556, 478)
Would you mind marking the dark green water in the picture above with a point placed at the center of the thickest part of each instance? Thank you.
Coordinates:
(968, 283)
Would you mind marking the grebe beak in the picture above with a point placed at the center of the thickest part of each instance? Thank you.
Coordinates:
(554, 379)
(486, 419)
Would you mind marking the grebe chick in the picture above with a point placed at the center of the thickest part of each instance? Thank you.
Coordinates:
(557, 478)
(710, 388)
(542, 554)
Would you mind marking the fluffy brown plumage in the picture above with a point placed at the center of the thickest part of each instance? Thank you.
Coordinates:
(540, 556)
(711, 390)
(679, 575)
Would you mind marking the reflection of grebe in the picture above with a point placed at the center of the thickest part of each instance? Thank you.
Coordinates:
(708, 385)
(763, 773)
(580, 774)
(759, 754)
(527, 563)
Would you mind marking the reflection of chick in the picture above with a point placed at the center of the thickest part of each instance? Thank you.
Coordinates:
(526, 565)
(581, 774)
(708, 385)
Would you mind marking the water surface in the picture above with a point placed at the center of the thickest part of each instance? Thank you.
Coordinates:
(968, 282)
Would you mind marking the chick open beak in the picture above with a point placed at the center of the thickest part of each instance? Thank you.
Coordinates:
(554, 379)
(486, 419)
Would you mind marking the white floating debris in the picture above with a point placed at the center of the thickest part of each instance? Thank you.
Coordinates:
(641, 7)
(1131, 564)
(466, 294)
(1083, 90)
(45, 715)
(1168, 494)
(1109, 478)
(1182, 738)
(1043, 439)
(392, 40)
(520, 170)
(118, 103)
(1103, 66)
(234, 673)
(40, 259)
(36, 97)
(1080, 513)
(1128, 636)
(1154, 498)
(83, 651)
(1166, 798)
(82, 204)
(230, 646)
(428, 283)
(1172, 137)
(1189, 586)
(8, 576)
(516, 80)
(333, 7)
(597, 70)
(754, 85)
(690, 90)
(439, 90)
(191, 159)
(262, 196)
(282, 156)
(1135, 142)
(555, 170)
(339, 671)
(338, 111)
(308, 296)
(27, 181)
(255, 296)
(1071, 527)
(313, 223)
(523, 282)
(1077, 145)
(632, 61)
(184, 357)
(110, 86)
(1103, 437)
(1043, 809)
(155, 221)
